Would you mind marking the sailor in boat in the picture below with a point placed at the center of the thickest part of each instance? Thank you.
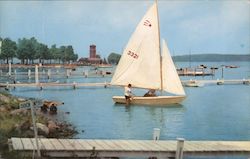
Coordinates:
(150, 93)
(128, 94)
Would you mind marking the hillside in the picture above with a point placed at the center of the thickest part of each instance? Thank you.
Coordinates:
(212, 57)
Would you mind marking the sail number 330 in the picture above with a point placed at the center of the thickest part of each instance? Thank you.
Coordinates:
(132, 54)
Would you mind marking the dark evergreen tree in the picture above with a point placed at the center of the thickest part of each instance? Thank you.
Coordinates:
(8, 50)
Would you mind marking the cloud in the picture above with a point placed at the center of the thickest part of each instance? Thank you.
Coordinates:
(109, 24)
(226, 19)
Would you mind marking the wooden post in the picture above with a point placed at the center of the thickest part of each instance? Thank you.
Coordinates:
(67, 73)
(49, 73)
(222, 72)
(36, 74)
(7, 86)
(35, 128)
(105, 85)
(180, 147)
(9, 69)
(156, 134)
(86, 73)
(29, 73)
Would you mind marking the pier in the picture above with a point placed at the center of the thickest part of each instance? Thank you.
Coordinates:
(106, 84)
(128, 148)
(54, 84)
(217, 81)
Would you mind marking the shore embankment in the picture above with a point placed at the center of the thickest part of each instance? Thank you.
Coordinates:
(16, 122)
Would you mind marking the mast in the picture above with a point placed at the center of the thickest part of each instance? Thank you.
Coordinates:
(156, 1)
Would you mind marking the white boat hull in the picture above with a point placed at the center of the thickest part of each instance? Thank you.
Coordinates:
(154, 101)
(193, 85)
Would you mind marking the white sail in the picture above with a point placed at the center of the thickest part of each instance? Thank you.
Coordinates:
(140, 61)
(171, 80)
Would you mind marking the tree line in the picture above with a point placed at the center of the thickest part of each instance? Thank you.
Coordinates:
(28, 50)
(114, 58)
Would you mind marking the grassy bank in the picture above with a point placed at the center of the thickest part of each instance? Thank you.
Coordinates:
(15, 122)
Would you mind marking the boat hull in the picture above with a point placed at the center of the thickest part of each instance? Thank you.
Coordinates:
(154, 101)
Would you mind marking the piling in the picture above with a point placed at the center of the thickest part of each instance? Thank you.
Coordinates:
(74, 85)
(36, 74)
(156, 134)
(180, 147)
(49, 73)
(29, 74)
(86, 73)
(9, 69)
(7, 86)
(103, 73)
(67, 73)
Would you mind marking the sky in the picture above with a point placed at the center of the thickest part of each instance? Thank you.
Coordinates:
(195, 26)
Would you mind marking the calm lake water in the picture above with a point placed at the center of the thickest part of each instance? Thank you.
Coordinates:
(212, 112)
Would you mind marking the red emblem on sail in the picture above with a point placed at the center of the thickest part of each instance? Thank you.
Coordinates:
(147, 23)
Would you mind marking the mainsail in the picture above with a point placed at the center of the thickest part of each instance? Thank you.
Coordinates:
(140, 61)
(171, 80)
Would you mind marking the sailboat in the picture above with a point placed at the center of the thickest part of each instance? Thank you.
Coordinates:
(148, 65)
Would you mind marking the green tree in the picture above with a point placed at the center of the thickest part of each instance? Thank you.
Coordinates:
(30, 49)
(32, 46)
(42, 52)
(22, 50)
(26, 50)
(62, 52)
(104, 61)
(53, 51)
(8, 50)
(69, 53)
(1, 40)
(75, 57)
(114, 58)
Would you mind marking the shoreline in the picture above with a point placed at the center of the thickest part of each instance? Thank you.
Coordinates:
(16, 122)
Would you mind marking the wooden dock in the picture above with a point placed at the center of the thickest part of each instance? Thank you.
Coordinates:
(127, 148)
(54, 84)
(218, 81)
(105, 84)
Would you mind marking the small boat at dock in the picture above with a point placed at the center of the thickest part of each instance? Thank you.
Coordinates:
(193, 83)
(231, 66)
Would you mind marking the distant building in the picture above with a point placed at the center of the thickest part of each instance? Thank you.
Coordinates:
(93, 57)
(92, 51)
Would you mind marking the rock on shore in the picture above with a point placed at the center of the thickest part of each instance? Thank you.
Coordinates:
(18, 123)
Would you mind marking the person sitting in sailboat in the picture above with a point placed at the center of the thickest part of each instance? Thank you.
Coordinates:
(150, 93)
(128, 94)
